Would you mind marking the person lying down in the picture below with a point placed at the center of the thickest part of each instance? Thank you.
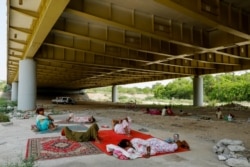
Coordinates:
(137, 147)
(80, 119)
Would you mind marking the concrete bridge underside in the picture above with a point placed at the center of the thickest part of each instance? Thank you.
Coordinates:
(81, 44)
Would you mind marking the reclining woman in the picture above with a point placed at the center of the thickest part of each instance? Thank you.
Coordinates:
(44, 122)
(90, 135)
(80, 119)
(151, 146)
(122, 126)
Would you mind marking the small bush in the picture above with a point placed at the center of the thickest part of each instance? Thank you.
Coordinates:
(30, 162)
(212, 103)
(3, 102)
(123, 99)
(4, 118)
(150, 98)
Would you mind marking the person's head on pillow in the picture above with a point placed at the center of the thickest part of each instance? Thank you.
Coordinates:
(124, 143)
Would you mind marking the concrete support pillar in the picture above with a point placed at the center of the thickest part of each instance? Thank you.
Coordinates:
(14, 91)
(198, 91)
(27, 85)
(114, 94)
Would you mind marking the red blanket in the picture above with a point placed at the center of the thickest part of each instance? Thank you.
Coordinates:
(110, 137)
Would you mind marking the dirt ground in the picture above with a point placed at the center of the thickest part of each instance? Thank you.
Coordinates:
(199, 128)
(199, 122)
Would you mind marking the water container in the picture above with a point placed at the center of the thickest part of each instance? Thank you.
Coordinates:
(176, 137)
(229, 117)
(163, 112)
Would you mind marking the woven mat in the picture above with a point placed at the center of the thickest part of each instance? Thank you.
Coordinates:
(58, 147)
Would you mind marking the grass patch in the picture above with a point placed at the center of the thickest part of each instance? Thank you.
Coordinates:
(4, 118)
(30, 162)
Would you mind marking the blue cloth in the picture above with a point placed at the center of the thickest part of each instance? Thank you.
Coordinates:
(43, 124)
(169, 140)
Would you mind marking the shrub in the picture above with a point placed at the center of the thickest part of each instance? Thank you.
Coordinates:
(30, 162)
(4, 118)
(212, 103)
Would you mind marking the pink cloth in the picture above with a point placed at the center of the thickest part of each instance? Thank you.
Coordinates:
(119, 128)
(156, 145)
(170, 112)
(154, 112)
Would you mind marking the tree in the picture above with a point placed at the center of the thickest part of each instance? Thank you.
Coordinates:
(179, 88)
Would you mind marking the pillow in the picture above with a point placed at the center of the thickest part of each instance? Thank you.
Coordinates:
(118, 154)
(129, 155)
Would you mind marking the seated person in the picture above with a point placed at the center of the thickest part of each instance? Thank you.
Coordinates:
(218, 113)
(163, 111)
(230, 117)
(82, 119)
(169, 111)
(89, 135)
(150, 146)
(122, 126)
(44, 122)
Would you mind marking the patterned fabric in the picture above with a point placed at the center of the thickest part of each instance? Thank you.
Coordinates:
(118, 154)
(119, 128)
(58, 147)
(156, 145)
(121, 153)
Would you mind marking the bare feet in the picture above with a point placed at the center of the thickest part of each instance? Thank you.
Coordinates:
(68, 119)
(53, 127)
(34, 128)
(70, 116)
(146, 155)
(97, 140)
(183, 144)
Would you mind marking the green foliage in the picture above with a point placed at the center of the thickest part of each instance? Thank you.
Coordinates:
(99, 90)
(227, 87)
(148, 98)
(123, 99)
(147, 90)
(219, 88)
(3, 102)
(158, 90)
(4, 117)
(212, 103)
(2, 85)
(30, 162)
(180, 89)
(12, 103)
(134, 90)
